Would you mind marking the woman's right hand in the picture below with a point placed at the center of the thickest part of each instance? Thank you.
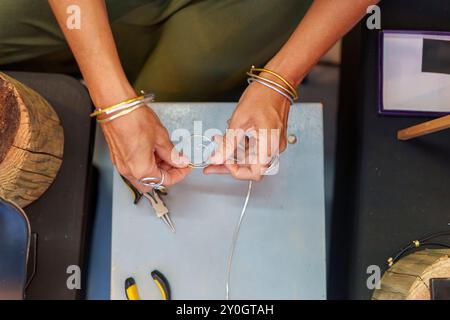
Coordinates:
(140, 147)
(139, 144)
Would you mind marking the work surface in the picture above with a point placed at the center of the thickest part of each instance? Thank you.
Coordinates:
(280, 252)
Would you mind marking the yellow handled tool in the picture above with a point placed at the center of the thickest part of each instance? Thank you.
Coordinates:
(132, 293)
(162, 283)
(131, 290)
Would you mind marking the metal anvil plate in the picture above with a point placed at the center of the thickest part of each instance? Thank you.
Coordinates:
(280, 253)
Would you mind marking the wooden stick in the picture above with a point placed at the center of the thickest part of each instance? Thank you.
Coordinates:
(424, 128)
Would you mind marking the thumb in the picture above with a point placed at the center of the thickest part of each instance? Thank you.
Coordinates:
(227, 145)
(168, 153)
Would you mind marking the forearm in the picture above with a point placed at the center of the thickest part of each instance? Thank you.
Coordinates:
(95, 51)
(324, 24)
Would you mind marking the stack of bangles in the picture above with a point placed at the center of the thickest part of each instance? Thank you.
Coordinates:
(123, 108)
(283, 87)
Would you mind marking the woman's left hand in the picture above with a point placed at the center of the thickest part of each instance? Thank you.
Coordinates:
(261, 115)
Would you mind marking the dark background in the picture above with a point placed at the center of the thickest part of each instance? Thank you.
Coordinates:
(62, 216)
(387, 192)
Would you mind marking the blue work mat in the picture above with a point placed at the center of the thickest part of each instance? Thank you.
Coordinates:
(280, 253)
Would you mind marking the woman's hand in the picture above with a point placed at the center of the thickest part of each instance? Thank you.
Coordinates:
(140, 147)
(263, 114)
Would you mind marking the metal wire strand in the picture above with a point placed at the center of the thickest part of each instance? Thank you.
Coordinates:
(235, 238)
(425, 241)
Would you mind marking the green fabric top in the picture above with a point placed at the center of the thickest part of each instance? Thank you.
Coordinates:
(196, 50)
(143, 12)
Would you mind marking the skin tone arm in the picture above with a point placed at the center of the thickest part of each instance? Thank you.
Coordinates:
(139, 144)
(262, 108)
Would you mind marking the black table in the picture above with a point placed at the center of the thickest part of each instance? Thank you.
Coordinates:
(61, 217)
(387, 192)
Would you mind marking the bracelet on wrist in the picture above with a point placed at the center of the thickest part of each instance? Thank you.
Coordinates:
(122, 108)
(283, 87)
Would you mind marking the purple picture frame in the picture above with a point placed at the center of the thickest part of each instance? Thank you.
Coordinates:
(401, 113)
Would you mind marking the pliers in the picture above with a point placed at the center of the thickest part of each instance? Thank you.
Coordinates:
(132, 293)
(154, 197)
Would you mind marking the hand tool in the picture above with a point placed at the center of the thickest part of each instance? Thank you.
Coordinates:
(131, 289)
(161, 210)
(137, 195)
(162, 283)
(132, 293)
(155, 200)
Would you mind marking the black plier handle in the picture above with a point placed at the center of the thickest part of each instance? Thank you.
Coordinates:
(137, 195)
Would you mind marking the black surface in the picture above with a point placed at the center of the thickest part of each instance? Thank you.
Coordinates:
(440, 289)
(61, 216)
(436, 56)
(387, 192)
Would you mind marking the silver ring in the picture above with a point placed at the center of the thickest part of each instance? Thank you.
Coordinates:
(152, 182)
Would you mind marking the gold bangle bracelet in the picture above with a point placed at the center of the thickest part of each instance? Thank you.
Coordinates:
(279, 86)
(103, 110)
(291, 87)
(123, 105)
(120, 114)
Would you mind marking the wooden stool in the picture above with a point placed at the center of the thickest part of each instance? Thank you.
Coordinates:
(31, 145)
(409, 278)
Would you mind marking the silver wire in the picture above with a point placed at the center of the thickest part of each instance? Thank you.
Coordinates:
(153, 182)
(235, 238)
(205, 163)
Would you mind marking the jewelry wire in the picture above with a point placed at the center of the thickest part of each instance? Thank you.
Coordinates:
(235, 238)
